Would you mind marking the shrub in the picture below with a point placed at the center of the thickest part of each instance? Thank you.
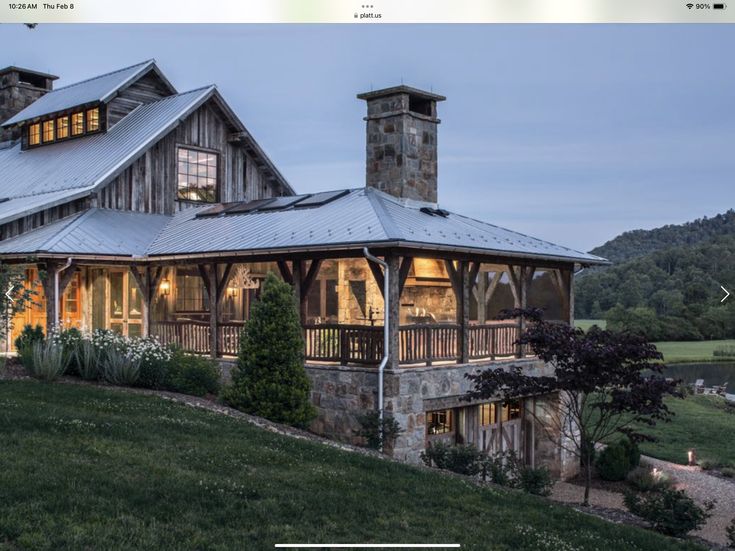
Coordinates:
(24, 342)
(191, 374)
(536, 480)
(370, 429)
(87, 357)
(504, 469)
(47, 360)
(643, 479)
(613, 463)
(119, 368)
(669, 511)
(707, 465)
(461, 459)
(730, 530)
(68, 339)
(727, 472)
(270, 379)
(632, 451)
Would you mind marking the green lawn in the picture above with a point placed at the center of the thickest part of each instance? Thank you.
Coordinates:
(692, 351)
(701, 422)
(586, 324)
(89, 468)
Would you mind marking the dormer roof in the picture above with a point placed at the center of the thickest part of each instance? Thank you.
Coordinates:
(99, 89)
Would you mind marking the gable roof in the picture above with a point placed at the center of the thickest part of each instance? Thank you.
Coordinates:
(98, 89)
(359, 218)
(37, 178)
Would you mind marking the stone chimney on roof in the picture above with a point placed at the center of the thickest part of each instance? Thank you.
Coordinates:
(18, 89)
(401, 142)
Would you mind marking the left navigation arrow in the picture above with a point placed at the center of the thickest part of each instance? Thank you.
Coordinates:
(8, 293)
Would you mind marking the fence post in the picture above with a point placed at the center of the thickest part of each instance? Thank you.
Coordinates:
(344, 346)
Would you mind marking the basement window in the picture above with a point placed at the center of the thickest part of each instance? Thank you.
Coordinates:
(439, 422)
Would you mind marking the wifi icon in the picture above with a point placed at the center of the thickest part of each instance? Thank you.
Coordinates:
(690, 6)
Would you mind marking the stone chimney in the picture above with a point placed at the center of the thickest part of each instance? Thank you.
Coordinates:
(401, 142)
(18, 89)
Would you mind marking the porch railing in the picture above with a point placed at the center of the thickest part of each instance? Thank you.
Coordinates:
(358, 344)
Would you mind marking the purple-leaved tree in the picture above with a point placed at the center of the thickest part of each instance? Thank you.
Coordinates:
(608, 382)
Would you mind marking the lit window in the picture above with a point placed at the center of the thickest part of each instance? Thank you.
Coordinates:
(34, 134)
(487, 414)
(511, 411)
(439, 422)
(93, 120)
(77, 124)
(197, 175)
(62, 128)
(48, 131)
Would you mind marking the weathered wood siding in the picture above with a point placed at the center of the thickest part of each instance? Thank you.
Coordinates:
(150, 183)
(147, 89)
(38, 219)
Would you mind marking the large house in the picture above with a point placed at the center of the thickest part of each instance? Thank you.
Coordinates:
(138, 208)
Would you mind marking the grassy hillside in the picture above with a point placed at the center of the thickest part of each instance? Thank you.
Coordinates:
(87, 468)
(702, 422)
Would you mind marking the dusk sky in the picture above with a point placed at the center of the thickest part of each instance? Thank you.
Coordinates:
(569, 133)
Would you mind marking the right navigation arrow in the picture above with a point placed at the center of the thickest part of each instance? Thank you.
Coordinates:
(727, 294)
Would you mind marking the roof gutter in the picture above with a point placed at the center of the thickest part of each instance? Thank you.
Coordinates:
(386, 337)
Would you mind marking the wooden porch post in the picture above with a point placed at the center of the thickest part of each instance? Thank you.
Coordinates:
(565, 284)
(463, 312)
(48, 281)
(148, 285)
(393, 313)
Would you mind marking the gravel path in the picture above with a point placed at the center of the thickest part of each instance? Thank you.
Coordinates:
(699, 485)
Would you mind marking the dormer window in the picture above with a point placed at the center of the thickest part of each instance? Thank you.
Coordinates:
(77, 124)
(34, 134)
(59, 127)
(93, 119)
(197, 175)
(48, 131)
(62, 128)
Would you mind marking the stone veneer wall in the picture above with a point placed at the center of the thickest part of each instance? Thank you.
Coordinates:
(342, 393)
(14, 97)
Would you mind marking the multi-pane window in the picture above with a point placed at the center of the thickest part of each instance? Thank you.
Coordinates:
(77, 124)
(93, 119)
(511, 411)
(34, 134)
(439, 422)
(488, 414)
(48, 131)
(62, 128)
(197, 175)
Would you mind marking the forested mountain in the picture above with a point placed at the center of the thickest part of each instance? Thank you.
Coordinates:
(665, 282)
(632, 244)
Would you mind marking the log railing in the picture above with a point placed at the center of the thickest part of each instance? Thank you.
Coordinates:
(357, 344)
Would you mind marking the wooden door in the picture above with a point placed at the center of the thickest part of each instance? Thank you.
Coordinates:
(34, 312)
(125, 305)
(71, 305)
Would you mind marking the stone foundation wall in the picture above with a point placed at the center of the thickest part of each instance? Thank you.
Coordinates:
(341, 394)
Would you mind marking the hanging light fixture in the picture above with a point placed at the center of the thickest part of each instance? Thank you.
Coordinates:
(165, 287)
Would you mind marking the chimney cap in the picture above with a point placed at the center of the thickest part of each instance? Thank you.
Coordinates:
(402, 89)
(15, 69)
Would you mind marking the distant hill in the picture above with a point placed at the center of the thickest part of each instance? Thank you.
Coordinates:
(665, 282)
(635, 243)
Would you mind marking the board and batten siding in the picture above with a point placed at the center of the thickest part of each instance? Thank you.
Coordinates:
(147, 89)
(150, 183)
(38, 219)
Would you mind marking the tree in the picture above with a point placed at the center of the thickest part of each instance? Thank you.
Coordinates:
(14, 296)
(606, 382)
(270, 380)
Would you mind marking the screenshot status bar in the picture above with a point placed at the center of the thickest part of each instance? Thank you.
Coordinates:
(366, 12)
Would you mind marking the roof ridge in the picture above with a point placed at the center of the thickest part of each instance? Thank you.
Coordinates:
(65, 230)
(385, 219)
(147, 62)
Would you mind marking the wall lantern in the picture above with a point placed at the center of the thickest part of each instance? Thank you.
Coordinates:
(165, 287)
(232, 292)
(692, 456)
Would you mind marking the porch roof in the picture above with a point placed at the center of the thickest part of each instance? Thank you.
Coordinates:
(359, 217)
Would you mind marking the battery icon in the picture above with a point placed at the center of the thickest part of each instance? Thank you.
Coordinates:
(718, 6)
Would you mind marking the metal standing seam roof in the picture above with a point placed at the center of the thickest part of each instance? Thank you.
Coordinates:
(362, 217)
(101, 88)
(36, 178)
(94, 232)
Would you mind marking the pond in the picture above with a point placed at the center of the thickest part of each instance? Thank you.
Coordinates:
(713, 373)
